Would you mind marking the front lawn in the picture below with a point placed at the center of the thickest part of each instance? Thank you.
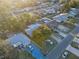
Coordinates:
(72, 56)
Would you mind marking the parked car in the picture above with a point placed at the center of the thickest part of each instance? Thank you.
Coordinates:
(65, 54)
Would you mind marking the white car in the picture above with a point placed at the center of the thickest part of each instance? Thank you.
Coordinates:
(50, 42)
(30, 47)
(64, 55)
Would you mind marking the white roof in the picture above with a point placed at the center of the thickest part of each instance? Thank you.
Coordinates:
(61, 17)
(31, 28)
(19, 39)
(73, 50)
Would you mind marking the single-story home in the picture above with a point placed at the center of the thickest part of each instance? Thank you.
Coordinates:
(73, 12)
(61, 17)
(19, 39)
(73, 50)
(63, 28)
(50, 10)
(53, 24)
(31, 28)
(44, 20)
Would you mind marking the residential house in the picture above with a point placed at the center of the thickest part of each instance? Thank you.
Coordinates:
(63, 28)
(52, 24)
(31, 28)
(73, 12)
(19, 39)
(44, 20)
(61, 17)
(73, 50)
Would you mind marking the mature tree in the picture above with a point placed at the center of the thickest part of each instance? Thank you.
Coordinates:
(16, 24)
(6, 51)
(41, 34)
(69, 4)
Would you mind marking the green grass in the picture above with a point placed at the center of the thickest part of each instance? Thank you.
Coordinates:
(49, 47)
(73, 21)
(50, 16)
(40, 35)
(25, 55)
(75, 45)
(72, 56)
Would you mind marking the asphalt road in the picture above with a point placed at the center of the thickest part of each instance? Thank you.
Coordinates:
(56, 53)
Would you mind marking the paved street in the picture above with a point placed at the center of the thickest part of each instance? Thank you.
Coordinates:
(56, 53)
